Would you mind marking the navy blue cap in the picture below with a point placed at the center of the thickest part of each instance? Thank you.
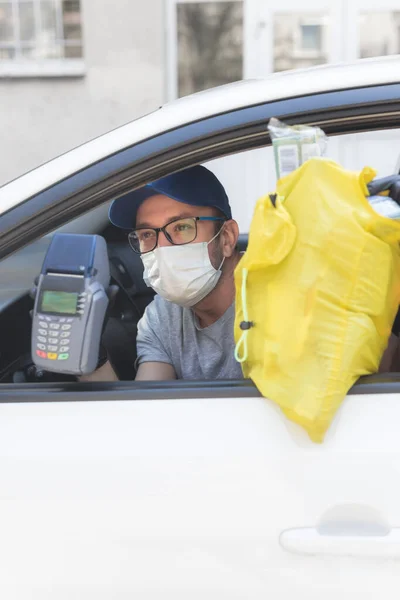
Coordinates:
(196, 186)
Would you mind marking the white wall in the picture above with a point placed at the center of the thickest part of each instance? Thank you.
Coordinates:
(124, 58)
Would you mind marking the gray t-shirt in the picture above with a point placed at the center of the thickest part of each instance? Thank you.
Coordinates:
(171, 334)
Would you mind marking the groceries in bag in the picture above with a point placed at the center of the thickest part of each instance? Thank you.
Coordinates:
(317, 291)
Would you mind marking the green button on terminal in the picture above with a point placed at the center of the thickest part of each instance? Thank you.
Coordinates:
(63, 356)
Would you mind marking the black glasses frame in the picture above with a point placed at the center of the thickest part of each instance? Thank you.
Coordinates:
(163, 229)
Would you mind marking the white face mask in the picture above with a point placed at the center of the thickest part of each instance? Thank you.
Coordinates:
(181, 274)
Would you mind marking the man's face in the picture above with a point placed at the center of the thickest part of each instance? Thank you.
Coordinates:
(159, 210)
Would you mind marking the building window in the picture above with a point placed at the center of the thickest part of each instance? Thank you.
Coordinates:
(311, 38)
(39, 31)
(300, 40)
(210, 42)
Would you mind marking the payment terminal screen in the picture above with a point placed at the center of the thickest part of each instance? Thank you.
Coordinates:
(59, 302)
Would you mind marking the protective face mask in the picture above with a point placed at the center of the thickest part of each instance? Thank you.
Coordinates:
(181, 274)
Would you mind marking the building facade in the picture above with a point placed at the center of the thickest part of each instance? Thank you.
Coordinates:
(59, 95)
(73, 69)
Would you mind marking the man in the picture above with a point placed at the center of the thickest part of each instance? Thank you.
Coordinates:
(182, 227)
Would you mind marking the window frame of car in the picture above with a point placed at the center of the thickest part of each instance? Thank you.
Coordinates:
(347, 111)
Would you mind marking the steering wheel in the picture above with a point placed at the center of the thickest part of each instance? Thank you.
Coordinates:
(119, 333)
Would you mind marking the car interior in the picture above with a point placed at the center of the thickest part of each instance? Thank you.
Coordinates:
(17, 275)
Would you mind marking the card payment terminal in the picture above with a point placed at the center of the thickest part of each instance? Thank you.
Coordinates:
(70, 304)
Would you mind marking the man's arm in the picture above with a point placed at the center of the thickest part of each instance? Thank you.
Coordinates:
(154, 360)
(104, 373)
(390, 362)
(148, 371)
(155, 371)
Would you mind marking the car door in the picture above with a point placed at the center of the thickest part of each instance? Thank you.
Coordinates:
(203, 491)
(194, 489)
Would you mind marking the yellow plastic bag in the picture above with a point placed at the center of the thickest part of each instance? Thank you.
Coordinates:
(317, 291)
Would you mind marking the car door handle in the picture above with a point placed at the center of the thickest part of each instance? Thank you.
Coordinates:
(310, 541)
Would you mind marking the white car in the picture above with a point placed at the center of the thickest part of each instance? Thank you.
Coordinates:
(189, 489)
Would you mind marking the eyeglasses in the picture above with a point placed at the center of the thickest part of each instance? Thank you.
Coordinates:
(177, 232)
